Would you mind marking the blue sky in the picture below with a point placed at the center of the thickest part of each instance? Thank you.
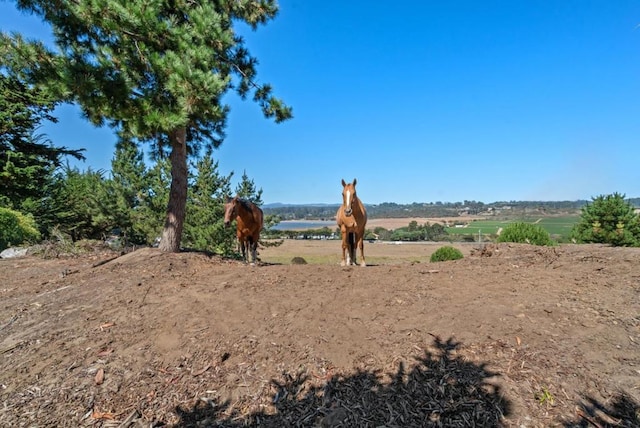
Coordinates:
(426, 101)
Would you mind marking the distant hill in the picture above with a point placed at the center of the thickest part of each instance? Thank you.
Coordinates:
(434, 209)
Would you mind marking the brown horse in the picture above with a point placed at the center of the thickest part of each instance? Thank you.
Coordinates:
(352, 219)
(249, 222)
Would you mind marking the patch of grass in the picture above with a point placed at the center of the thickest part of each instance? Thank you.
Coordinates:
(558, 225)
(486, 227)
(446, 253)
(545, 397)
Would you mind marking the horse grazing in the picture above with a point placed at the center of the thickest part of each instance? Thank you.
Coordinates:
(249, 222)
(352, 219)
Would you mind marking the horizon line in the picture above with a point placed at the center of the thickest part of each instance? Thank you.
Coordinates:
(291, 204)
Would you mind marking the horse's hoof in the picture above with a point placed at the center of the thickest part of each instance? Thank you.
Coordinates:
(342, 263)
(363, 264)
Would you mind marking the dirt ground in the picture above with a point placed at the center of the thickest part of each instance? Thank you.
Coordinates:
(509, 336)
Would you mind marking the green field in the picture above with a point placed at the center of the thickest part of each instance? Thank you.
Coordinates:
(560, 226)
(479, 226)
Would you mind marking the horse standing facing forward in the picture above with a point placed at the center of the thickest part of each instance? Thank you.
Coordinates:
(249, 222)
(352, 219)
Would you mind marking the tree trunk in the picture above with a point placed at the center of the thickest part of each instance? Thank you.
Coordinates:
(176, 209)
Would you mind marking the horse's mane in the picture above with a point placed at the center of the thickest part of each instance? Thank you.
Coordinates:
(246, 204)
(249, 206)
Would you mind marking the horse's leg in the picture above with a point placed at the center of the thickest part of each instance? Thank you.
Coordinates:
(345, 237)
(352, 247)
(361, 245)
(251, 256)
(256, 240)
(243, 246)
(255, 251)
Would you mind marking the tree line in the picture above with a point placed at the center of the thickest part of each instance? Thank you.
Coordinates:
(125, 207)
(436, 209)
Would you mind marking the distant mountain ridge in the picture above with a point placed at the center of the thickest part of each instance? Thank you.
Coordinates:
(434, 209)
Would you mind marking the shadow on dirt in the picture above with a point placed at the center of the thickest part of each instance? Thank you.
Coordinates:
(441, 389)
(623, 411)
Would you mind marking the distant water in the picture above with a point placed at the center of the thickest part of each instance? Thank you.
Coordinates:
(304, 225)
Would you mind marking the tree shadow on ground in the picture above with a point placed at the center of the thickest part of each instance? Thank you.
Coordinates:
(622, 412)
(441, 389)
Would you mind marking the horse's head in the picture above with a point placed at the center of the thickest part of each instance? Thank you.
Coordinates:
(348, 196)
(230, 210)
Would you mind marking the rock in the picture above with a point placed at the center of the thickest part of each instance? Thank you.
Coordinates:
(10, 253)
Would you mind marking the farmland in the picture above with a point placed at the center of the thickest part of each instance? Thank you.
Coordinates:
(559, 227)
(462, 228)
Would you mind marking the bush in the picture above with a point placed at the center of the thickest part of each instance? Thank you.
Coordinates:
(16, 228)
(608, 220)
(443, 254)
(525, 233)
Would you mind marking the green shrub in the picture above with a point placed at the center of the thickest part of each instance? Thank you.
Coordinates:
(608, 219)
(443, 254)
(16, 228)
(525, 233)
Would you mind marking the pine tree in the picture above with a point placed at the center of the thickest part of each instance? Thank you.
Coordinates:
(152, 207)
(608, 219)
(154, 71)
(76, 204)
(27, 159)
(246, 189)
(204, 228)
(128, 189)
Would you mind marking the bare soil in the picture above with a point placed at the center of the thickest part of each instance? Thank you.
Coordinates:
(509, 336)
